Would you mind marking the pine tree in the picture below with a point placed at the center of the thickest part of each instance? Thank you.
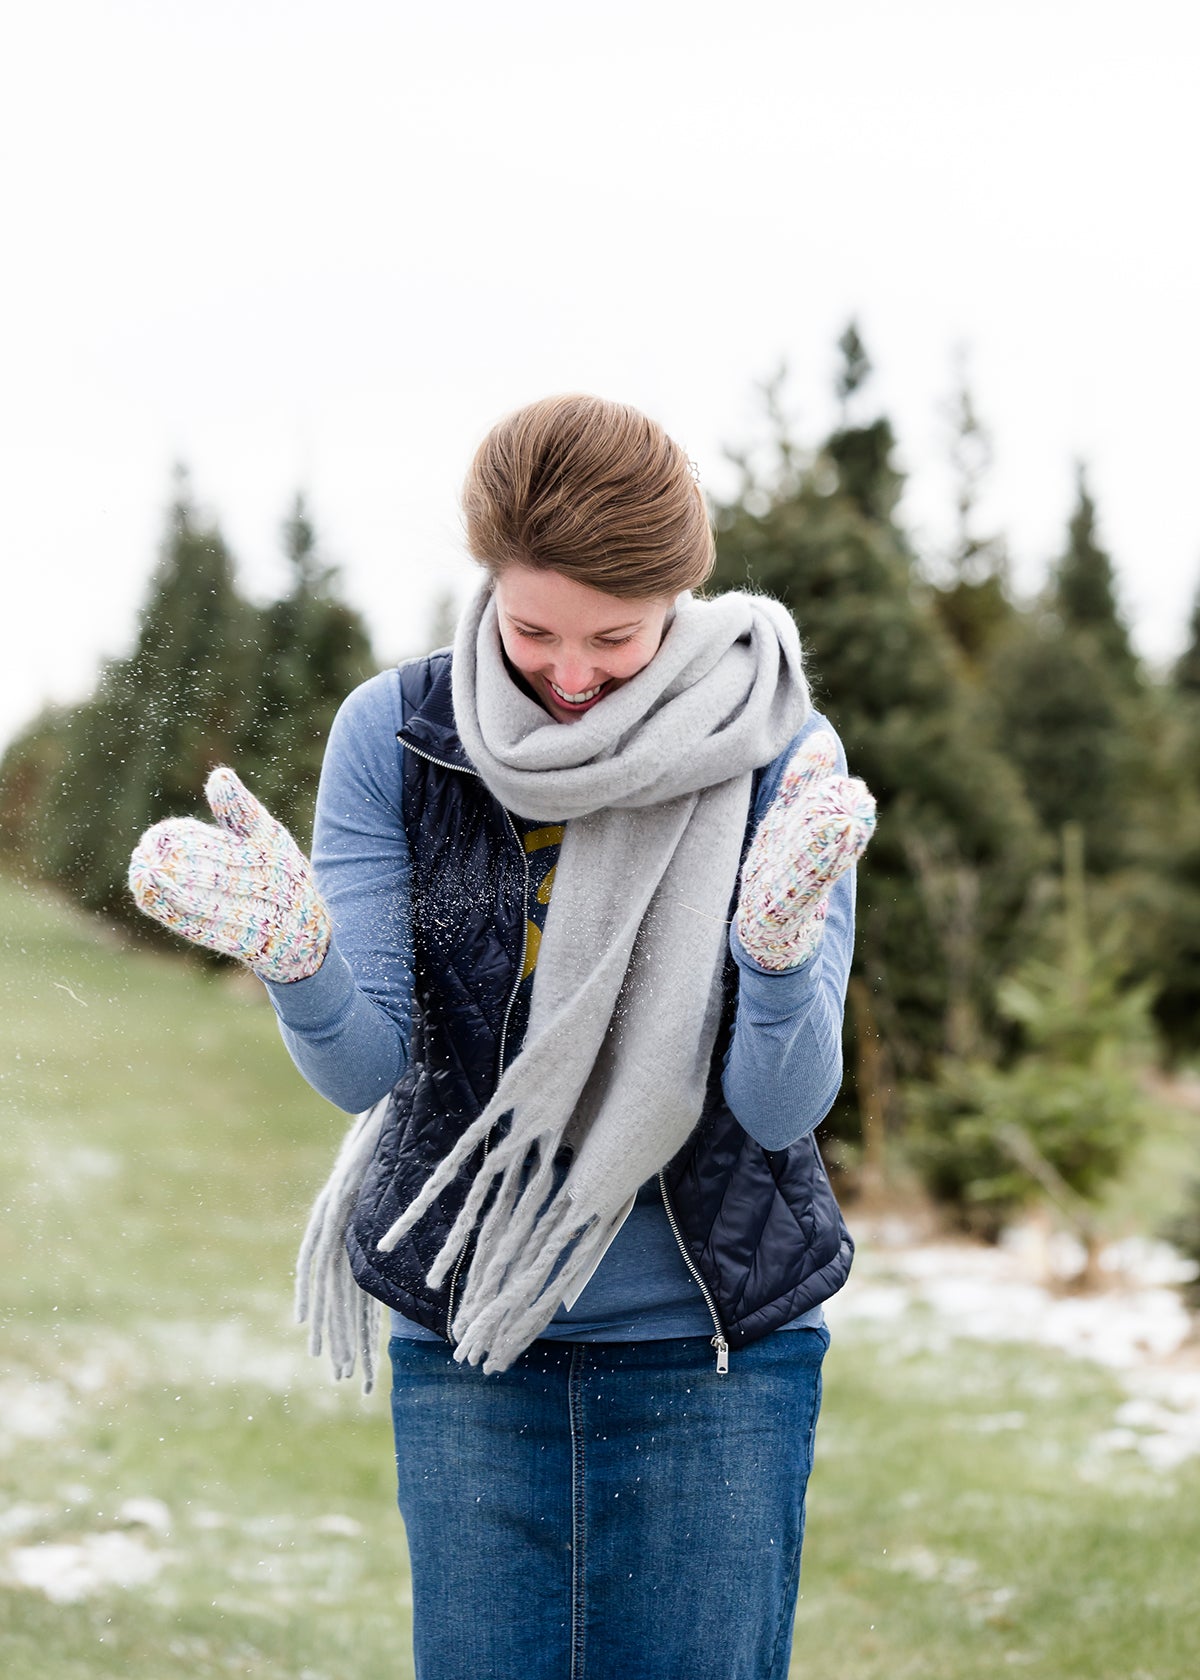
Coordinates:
(1070, 707)
(30, 768)
(311, 650)
(211, 680)
(161, 719)
(1084, 587)
(856, 368)
(1165, 887)
(1185, 676)
(823, 540)
(1059, 719)
(972, 596)
(1057, 1118)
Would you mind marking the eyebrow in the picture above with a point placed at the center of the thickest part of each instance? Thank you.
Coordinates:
(609, 630)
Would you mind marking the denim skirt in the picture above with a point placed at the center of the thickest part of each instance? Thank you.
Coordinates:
(606, 1510)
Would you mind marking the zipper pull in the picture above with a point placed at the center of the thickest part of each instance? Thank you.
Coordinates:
(722, 1347)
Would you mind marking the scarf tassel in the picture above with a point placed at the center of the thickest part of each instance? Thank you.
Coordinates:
(339, 1314)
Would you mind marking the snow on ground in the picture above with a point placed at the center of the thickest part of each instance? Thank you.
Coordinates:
(70, 1570)
(1137, 1325)
(31, 1411)
(930, 1293)
(289, 1553)
(76, 1567)
(230, 1351)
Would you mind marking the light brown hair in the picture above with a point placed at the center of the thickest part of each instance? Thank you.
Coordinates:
(593, 490)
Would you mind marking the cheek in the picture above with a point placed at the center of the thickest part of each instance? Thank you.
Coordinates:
(518, 653)
(628, 661)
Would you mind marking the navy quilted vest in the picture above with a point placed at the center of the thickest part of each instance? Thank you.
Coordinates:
(760, 1229)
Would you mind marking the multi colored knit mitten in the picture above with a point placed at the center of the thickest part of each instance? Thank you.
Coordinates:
(243, 888)
(816, 828)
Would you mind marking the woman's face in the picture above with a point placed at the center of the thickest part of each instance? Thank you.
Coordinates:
(573, 645)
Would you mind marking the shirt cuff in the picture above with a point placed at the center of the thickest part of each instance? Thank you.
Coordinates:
(319, 1002)
(749, 965)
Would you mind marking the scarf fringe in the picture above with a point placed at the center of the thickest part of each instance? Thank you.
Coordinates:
(442, 1175)
(523, 1212)
(503, 1328)
(340, 1315)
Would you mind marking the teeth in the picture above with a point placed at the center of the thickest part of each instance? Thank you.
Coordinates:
(575, 699)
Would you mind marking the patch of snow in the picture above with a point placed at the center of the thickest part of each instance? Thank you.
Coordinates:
(337, 1524)
(145, 1512)
(229, 1352)
(1164, 1428)
(924, 1565)
(1144, 1260)
(32, 1409)
(1137, 1327)
(21, 1517)
(85, 1161)
(67, 1571)
(998, 1422)
(981, 1293)
(878, 1303)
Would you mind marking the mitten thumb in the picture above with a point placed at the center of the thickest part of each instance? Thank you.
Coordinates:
(235, 807)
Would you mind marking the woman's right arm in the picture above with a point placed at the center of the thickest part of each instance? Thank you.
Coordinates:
(347, 1026)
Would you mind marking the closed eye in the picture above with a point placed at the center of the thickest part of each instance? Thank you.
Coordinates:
(601, 641)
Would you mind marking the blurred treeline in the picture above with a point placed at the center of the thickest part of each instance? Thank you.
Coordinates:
(212, 679)
(1029, 910)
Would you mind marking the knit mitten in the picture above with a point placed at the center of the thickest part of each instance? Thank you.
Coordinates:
(243, 888)
(816, 828)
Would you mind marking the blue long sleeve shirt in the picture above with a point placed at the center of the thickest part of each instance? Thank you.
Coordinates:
(347, 1026)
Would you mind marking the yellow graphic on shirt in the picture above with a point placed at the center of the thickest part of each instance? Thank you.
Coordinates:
(537, 840)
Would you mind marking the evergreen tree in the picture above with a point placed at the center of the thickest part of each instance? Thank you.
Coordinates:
(31, 766)
(821, 537)
(856, 459)
(311, 650)
(211, 680)
(161, 720)
(972, 599)
(1070, 707)
(1059, 719)
(1084, 587)
(1163, 887)
(1058, 1117)
(855, 367)
(1186, 673)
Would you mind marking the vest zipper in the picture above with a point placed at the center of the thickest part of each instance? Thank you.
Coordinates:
(718, 1341)
(469, 770)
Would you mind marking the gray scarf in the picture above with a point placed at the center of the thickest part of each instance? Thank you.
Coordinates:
(654, 787)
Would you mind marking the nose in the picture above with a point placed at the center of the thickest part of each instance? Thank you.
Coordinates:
(574, 675)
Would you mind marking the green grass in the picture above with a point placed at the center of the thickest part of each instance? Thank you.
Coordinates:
(158, 1153)
(964, 1523)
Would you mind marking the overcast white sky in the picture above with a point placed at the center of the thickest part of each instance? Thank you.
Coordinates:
(300, 242)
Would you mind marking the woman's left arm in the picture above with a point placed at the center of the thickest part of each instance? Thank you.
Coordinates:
(784, 1064)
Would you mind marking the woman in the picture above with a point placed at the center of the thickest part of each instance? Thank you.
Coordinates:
(588, 1164)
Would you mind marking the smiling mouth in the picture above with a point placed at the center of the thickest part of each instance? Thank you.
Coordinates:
(587, 695)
